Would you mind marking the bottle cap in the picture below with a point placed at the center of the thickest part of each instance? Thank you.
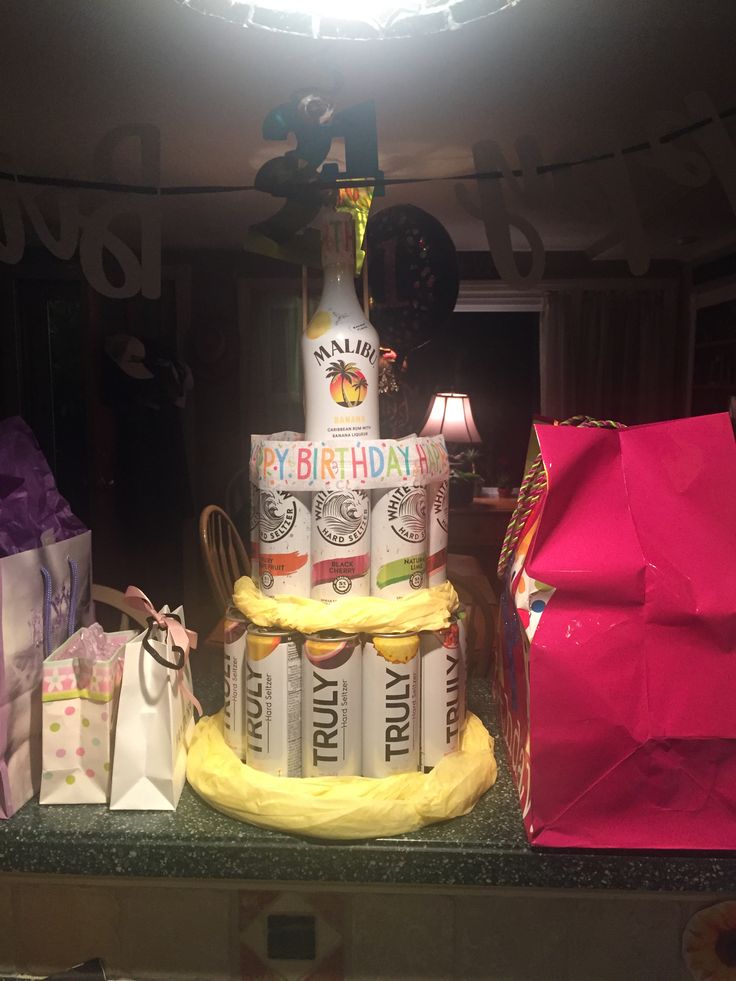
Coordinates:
(338, 239)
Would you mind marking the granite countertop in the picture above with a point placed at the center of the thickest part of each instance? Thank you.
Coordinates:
(486, 848)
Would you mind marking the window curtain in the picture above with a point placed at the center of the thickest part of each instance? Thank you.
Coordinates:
(615, 354)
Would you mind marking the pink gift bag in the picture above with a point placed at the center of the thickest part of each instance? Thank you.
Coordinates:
(616, 670)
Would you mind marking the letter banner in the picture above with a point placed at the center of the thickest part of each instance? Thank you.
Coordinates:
(286, 462)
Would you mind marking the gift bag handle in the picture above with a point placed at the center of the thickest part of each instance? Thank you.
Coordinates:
(71, 617)
(46, 611)
(182, 639)
(179, 651)
(534, 485)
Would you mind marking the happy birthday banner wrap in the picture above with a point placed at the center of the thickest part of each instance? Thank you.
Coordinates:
(284, 461)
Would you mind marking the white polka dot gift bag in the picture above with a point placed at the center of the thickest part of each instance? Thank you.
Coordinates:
(79, 691)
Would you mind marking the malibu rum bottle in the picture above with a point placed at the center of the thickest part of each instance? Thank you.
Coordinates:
(340, 347)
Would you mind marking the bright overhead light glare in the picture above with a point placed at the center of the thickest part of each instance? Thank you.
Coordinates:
(367, 20)
(369, 10)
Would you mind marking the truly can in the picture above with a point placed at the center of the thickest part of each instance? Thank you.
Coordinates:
(341, 544)
(331, 705)
(398, 541)
(273, 689)
(233, 721)
(255, 524)
(461, 618)
(283, 559)
(390, 704)
(438, 501)
(443, 694)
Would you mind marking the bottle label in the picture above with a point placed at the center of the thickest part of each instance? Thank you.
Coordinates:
(348, 385)
(347, 345)
(341, 381)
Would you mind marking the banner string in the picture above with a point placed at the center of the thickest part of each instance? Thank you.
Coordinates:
(326, 185)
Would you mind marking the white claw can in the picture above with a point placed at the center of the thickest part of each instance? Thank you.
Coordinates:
(255, 524)
(438, 501)
(331, 705)
(233, 724)
(273, 689)
(443, 694)
(341, 544)
(284, 534)
(398, 541)
(390, 704)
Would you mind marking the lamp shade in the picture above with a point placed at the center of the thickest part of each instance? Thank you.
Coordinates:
(450, 415)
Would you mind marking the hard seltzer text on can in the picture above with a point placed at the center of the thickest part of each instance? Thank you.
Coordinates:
(283, 560)
(390, 704)
(233, 723)
(443, 694)
(341, 544)
(331, 705)
(438, 498)
(398, 541)
(461, 618)
(273, 702)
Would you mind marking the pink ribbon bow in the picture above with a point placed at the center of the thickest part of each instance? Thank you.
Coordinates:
(181, 637)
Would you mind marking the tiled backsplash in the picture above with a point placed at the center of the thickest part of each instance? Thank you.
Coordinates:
(182, 931)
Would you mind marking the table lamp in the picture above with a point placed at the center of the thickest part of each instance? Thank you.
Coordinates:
(450, 415)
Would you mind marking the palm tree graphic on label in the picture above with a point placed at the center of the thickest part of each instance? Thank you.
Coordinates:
(348, 385)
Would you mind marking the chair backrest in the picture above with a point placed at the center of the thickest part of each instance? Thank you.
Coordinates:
(224, 554)
(481, 607)
(108, 597)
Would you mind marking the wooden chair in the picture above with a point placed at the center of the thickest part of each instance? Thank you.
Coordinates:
(224, 554)
(481, 604)
(105, 596)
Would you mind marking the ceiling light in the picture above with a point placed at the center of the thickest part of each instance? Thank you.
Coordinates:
(367, 20)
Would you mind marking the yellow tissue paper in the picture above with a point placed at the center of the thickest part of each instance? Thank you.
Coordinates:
(427, 609)
(341, 807)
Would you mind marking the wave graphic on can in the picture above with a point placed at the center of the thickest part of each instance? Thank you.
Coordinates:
(341, 515)
(278, 514)
(408, 515)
